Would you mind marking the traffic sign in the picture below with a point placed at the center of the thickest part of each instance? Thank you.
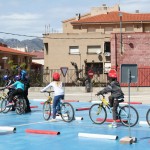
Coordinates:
(90, 74)
(64, 70)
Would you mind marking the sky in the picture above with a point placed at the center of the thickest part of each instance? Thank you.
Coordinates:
(35, 17)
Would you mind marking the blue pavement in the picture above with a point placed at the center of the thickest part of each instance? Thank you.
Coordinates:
(68, 138)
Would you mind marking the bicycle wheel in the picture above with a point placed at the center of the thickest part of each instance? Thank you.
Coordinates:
(97, 113)
(46, 110)
(126, 118)
(67, 112)
(4, 109)
(148, 117)
(20, 106)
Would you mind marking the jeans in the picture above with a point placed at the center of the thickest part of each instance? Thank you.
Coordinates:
(56, 104)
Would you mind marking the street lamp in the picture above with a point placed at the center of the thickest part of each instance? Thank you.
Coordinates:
(120, 15)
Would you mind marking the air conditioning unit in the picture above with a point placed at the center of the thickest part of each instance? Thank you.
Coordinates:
(107, 54)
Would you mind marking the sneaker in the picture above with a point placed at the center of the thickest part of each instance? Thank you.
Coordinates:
(113, 125)
(9, 104)
(58, 113)
(53, 120)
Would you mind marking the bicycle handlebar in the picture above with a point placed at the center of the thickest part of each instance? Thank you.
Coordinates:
(48, 92)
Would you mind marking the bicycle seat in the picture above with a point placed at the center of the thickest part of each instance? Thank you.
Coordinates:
(121, 99)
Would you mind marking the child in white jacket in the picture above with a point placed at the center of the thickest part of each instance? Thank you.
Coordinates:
(57, 86)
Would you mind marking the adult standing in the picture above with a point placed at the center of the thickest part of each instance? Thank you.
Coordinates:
(25, 79)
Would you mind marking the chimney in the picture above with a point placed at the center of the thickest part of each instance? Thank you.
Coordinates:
(137, 11)
(77, 16)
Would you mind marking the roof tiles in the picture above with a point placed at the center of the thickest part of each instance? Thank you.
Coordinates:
(112, 17)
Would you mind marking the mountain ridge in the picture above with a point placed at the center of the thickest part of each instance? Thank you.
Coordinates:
(35, 44)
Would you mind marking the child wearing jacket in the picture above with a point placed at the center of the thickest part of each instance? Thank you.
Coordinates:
(116, 93)
(57, 86)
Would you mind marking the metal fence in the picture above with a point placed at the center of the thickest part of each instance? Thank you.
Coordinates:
(39, 78)
(42, 78)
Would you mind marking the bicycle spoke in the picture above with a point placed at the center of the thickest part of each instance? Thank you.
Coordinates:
(67, 112)
(97, 114)
(128, 119)
(46, 110)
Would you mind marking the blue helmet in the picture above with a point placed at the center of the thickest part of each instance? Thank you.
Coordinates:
(5, 77)
(17, 78)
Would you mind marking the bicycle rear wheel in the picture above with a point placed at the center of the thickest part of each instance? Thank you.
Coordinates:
(20, 106)
(148, 117)
(4, 109)
(126, 118)
(97, 113)
(67, 112)
(46, 110)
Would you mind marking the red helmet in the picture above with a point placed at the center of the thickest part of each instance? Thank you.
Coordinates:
(112, 73)
(56, 76)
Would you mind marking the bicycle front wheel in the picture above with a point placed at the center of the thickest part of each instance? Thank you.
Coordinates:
(67, 112)
(46, 110)
(126, 118)
(4, 109)
(97, 113)
(148, 117)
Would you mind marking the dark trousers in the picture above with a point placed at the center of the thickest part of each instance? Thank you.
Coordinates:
(27, 100)
(14, 93)
(56, 104)
(114, 103)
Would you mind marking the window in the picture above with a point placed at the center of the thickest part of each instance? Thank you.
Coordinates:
(91, 29)
(107, 47)
(94, 49)
(46, 48)
(147, 29)
(74, 50)
(129, 29)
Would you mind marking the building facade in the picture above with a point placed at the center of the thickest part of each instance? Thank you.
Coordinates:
(86, 39)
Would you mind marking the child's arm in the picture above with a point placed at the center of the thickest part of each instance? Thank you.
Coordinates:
(44, 89)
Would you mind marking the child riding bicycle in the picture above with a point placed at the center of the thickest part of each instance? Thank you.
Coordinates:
(116, 93)
(18, 90)
(57, 86)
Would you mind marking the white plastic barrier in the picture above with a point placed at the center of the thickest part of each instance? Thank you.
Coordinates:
(7, 128)
(102, 136)
(76, 118)
(143, 123)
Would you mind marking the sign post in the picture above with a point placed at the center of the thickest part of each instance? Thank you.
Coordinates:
(64, 72)
(129, 75)
(89, 86)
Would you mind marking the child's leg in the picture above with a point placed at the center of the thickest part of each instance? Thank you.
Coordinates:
(115, 107)
(56, 101)
(111, 100)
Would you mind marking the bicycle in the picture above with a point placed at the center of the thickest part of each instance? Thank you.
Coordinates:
(66, 109)
(98, 113)
(19, 104)
(3, 96)
(148, 117)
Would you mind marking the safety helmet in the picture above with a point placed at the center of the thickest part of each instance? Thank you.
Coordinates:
(17, 78)
(56, 76)
(5, 77)
(112, 73)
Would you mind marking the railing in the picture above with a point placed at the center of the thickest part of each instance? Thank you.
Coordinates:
(42, 78)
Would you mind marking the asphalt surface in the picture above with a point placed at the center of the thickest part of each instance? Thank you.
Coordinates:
(141, 94)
